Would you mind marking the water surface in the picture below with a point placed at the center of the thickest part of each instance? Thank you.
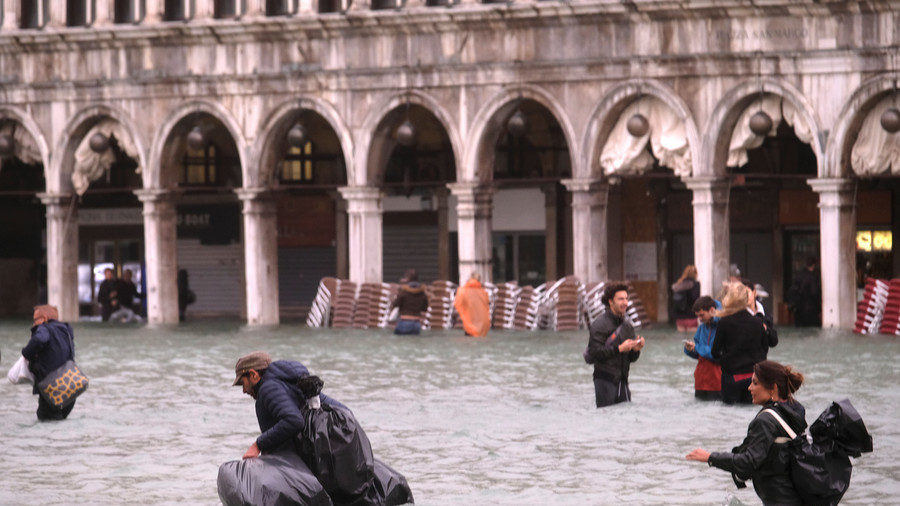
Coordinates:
(504, 420)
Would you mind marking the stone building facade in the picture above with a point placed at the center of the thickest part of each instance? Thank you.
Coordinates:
(256, 113)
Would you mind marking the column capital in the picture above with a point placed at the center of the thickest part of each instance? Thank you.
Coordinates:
(706, 183)
(470, 188)
(55, 199)
(251, 194)
(360, 192)
(585, 185)
(153, 195)
(830, 185)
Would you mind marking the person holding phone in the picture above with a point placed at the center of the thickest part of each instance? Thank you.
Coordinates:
(708, 373)
(612, 347)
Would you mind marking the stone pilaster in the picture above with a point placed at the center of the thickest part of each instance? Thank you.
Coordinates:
(589, 230)
(837, 232)
(260, 256)
(62, 254)
(160, 255)
(712, 232)
(364, 224)
(474, 211)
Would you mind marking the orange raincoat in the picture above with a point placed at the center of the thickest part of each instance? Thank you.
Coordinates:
(473, 307)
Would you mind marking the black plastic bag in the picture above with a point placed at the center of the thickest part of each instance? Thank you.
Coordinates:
(390, 487)
(274, 479)
(821, 470)
(336, 449)
(842, 425)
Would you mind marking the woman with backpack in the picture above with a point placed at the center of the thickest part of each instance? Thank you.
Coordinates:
(764, 454)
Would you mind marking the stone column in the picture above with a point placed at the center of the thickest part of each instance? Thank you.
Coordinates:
(589, 230)
(443, 213)
(364, 224)
(62, 254)
(551, 232)
(260, 255)
(837, 232)
(474, 208)
(342, 254)
(712, 233)
(160, 255)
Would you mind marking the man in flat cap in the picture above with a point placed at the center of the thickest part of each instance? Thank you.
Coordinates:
(278, 399)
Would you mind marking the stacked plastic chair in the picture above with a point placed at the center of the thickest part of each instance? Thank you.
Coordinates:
(320, 311)
(890, 324)
(592, 305)
(440, 304)
(527, 308)
(504, 316)
(636, 311)
(870, 310)
(387, 292)
(345, 305)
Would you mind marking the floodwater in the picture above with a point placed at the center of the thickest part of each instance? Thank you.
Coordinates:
(504, 420)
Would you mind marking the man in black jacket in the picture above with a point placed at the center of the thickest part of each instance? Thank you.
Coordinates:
(278, 399)
(51, 345)
(612, 348)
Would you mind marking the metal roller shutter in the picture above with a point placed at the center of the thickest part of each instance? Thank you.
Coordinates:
(410, 247)
(216, 275)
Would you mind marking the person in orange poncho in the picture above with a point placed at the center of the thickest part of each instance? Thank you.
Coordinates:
(473, 307)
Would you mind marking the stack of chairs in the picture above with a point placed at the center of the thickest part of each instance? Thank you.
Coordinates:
(569, 307)
(527, 308)
(440, 305)
(890, 324)
(320, 311)
(345, 305)
(870, 310)
(373, 303)
(504, 315)
(636, 311)
(386, 295)
(592, 306)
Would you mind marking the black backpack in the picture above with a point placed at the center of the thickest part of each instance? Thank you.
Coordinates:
(820, 470)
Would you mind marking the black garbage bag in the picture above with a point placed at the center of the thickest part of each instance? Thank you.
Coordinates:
(821, 470)
(390, 487)
(274, 479)
(336, 449)
(841, 424)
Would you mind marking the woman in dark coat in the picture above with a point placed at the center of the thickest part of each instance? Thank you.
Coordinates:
(685, 292)
(741, 342)
(763, 456)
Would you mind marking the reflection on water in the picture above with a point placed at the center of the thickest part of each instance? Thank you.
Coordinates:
(505, 420)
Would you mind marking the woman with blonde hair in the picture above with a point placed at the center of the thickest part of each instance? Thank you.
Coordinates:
(685, 292)
(763, 455)
(741, 342)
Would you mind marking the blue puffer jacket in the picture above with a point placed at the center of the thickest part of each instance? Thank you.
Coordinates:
(278, 403)
(50, 347)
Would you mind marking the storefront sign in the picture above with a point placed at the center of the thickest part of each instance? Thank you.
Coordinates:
(111, 216)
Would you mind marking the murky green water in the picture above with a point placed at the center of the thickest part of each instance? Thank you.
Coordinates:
(505, 420)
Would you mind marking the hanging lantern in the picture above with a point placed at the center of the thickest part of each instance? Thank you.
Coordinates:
(517, 124)
(98, 143)
(760, 123)
(890, 120)
(637, 125)
(296, 136)
(406, 134)
(196, 139)
(7, 145)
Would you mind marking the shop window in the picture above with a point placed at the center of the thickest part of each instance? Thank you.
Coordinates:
(519, 257)
(299, 165)
(874, 250)
(326, 6)
(200, 166)
(79, 12)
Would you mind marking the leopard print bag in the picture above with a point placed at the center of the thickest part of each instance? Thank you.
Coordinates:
(61, 387)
